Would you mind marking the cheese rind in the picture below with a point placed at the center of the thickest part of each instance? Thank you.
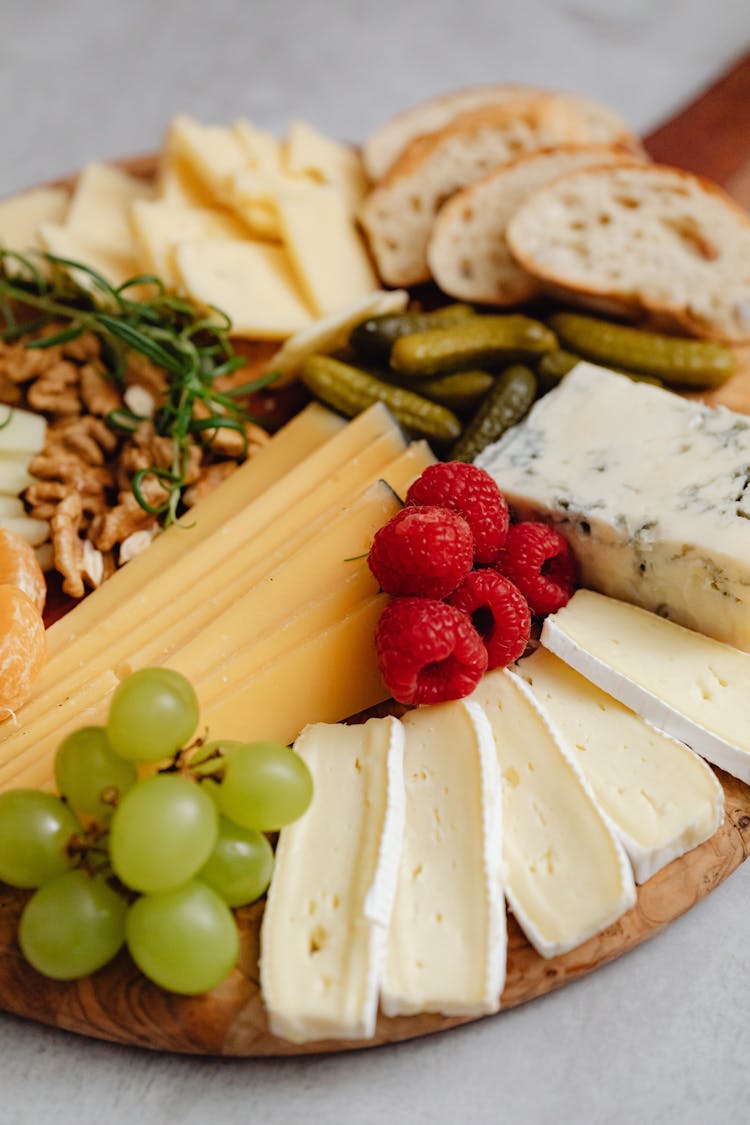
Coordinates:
(566, 875)
(447, 941)
(651, 490)
(660, 798)
(326, 920)
(690, 686)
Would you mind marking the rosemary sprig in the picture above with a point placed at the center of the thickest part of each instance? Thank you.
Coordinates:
(193, 350)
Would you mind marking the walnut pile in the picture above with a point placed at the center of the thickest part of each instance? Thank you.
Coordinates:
(85, 471)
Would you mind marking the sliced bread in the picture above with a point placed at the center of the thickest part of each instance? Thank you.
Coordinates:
(603, 125)
(398, 214)
(467, 253)
(645, 239)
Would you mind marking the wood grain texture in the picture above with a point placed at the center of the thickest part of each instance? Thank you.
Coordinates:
(711, 137)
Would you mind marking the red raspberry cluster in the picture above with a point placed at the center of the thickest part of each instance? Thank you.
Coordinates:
(464, 583)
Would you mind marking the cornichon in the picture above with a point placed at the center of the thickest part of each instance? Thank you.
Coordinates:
(350, 390)
(507, 403)
(460, 391)
(475, 342)
(553, 366)
(374, 338)
(673, 359)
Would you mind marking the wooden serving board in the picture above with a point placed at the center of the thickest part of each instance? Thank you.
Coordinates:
(712, 136)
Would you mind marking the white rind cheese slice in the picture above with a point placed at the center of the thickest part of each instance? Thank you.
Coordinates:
(688, 685)
(566, 875)
(325, 925)
(447, 942)
(660, 797)
(651, 490)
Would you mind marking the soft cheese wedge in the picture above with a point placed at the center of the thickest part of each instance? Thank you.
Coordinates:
(566, 875)
(447, 941)
(652, 492)
(660, 797)
(688, 685)
(325, 925)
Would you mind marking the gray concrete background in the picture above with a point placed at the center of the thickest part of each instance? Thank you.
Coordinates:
(662, 1035)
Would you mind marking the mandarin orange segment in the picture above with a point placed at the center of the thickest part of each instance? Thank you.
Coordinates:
(23, 646)
(19, 567)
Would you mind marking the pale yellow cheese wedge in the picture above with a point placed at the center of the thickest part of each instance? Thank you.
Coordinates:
(262, 149)
(159, 226)
(326, 251)
(328, 161)
(251, 282)
(214, 153)
(21, 215)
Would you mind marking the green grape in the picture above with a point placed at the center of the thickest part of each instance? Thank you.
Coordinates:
(162, 833)
(239, 868)
(87, 767)
(185, 940)
(265, 786)
(72, 926)
(35, 829)
(153, 713)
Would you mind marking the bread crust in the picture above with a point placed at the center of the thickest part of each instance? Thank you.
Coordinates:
(667, 313)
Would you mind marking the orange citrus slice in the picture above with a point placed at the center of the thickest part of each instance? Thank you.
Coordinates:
(19, 567)
(23, 646)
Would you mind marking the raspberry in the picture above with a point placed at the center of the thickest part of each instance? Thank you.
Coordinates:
(537, 558)
(472, 493)
(423, 552)
(428, 651)
(499, 613)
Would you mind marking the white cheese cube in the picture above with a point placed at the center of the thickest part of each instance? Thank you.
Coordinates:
(652, 492)
(447, 941)
(690, 686)
(566, 874)
(14, 473)
(34, 531)
(660, 797)
(326, 921)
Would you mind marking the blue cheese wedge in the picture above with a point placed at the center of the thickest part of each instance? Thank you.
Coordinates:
(660, 798)
(325, 926)
(688, 685)
(447, 941)
(566, 875)
(652, 492)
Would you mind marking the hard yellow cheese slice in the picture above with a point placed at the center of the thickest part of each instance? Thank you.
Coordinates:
(325, 248)
(328, 161)
(21, 215)
(159, 226)
(251, 282)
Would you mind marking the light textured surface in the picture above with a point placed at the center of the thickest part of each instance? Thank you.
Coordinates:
(663, 1035)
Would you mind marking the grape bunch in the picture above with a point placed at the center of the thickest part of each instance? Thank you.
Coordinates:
(156, 862)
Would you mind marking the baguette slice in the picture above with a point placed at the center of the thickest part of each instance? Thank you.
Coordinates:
(602, 125)
(645, 239)
(467, 253)
(398, 214)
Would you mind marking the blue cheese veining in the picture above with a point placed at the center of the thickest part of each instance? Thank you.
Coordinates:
(651, 490)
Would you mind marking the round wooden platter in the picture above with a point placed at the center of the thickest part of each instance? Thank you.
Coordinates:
(120, 1005)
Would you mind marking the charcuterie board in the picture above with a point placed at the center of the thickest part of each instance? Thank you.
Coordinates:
(118, 1004)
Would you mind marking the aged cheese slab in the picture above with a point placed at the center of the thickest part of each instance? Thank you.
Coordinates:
(660, 797)
(652, 492)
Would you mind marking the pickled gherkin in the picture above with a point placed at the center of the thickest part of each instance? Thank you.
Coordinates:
(479, 341)
(351, 390)
(506, 404)
(373, 338)
(673, 359)
(460, 391)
